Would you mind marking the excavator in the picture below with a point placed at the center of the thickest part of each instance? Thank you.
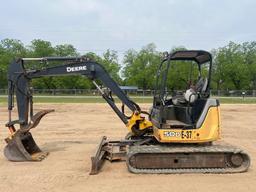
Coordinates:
(177, 135)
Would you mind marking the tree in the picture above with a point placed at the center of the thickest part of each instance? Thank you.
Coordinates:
(234, 65)
(110, 62)
(218, 74)
(9, 50)
(69, 82)
(230, 68)
(140, 67)
(65, 50)
(249, 53)
(179, 71)
(41, 48)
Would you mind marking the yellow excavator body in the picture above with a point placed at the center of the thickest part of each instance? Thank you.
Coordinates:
(139, 120)
(208, 132)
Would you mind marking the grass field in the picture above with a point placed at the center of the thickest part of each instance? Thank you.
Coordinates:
(137, 99)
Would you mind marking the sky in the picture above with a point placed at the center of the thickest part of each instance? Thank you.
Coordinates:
(98, 25)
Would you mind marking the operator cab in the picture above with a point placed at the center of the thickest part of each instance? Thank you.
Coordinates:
(182, 90)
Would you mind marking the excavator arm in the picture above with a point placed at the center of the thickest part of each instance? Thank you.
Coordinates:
(19, 84)
(19, 80)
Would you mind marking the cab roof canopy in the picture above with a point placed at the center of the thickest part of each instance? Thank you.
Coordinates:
(198, 56)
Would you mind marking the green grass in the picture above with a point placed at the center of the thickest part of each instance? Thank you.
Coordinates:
(85, 100)
(237, 100)
(81, 99)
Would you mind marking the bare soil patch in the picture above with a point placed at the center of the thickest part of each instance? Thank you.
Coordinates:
(72, 133)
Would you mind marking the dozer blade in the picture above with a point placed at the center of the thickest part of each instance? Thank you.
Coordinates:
(187, 159)
(21, 146)
(108, 150)
(99, 157)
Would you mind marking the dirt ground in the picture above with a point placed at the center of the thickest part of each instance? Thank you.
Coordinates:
(72, 133)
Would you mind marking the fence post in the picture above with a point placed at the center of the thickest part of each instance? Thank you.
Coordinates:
(218, 93)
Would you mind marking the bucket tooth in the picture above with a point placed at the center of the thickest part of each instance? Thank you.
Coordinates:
(22, 147)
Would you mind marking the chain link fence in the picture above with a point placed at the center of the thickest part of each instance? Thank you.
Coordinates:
(138, 92)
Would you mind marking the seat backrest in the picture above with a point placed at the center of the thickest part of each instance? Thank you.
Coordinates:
(197, 109)
(201, 85)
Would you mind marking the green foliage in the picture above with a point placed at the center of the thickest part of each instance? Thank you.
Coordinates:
(140, 67)
(234, 65)
(41, 48)
(110, 62)
(9, 50)
(179, 72)
(65, 50)
(68, 82)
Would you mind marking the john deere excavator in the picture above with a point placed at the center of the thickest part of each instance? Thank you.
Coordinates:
(177, 136)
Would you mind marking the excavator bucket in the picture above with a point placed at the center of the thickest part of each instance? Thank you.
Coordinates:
(21, 146)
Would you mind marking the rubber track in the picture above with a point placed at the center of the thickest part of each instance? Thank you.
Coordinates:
(216, 148)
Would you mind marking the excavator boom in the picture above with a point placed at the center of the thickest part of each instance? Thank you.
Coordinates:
(20, 144)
